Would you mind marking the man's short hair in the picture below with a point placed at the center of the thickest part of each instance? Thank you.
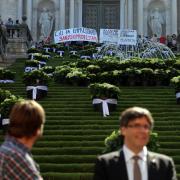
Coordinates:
(26, 118)
(132, 113)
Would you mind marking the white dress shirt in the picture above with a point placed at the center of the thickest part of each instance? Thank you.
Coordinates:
(128, 154)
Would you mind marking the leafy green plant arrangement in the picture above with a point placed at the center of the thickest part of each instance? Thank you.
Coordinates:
(161, 77)
(31, 63)
(83, 63)
(147, 76)
(33, 50)
(60, 73)
(4, 94)
(40, 57)
(48, 69)
(114, 142)
(93, 69)
(104, 90)
(36, 77)
(7, 104)
(6, 74)
(175, 82)
(77, 76)
(106, 76)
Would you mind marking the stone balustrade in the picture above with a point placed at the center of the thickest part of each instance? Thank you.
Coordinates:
(19, 31)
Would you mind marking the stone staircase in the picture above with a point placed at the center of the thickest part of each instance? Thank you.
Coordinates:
(16, 45)
(74, 133)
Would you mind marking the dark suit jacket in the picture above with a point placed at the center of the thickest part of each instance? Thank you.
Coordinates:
(112, 166)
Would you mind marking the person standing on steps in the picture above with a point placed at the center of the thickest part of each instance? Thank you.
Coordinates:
(134, 161)
(27, 119)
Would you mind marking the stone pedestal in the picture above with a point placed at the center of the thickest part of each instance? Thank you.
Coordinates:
(17, 47)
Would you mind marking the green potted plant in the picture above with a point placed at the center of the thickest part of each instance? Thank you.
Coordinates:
(60, 73)
(175, 82)
(4, 94)
(31, 65)
(33, 50)
(104, 97)
(93, 69)
(147, 76)
(49, 70)
(77, 77)
(36, 84)
(5, 108)
(104, 91)
(7, 76)
(114, 142)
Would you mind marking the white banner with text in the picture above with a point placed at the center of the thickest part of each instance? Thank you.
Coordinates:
(75, 34)
(127, 37)
(108, 36)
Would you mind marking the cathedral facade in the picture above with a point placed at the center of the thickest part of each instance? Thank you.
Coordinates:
(148, 17)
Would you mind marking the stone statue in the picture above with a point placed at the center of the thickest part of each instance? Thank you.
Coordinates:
(46, 20)
(156, 21)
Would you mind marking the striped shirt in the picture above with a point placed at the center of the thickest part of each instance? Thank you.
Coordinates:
(16, 161)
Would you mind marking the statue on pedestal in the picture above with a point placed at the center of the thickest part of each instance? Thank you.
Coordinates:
(46, 21)
(156, 22)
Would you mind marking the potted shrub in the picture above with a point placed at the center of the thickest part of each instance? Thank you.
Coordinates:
(49, 70)
(93, 69)
(42, 59)
(132, 76)
(60, 73)
(7, 76)
(175, 82)
(114, 142)
(4, 94)
(77, 77)
(147, 76)
(31, 65)
(161, 77)
(5, 108)
(104, 96)
(33, 50)
(104, 90)
(83, 63)
(36, 84)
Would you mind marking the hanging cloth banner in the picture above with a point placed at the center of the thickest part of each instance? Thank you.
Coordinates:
(76, 34)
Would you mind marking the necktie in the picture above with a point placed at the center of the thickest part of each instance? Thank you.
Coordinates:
(137, 172)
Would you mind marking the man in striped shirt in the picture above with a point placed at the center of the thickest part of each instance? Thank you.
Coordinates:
(26, 126)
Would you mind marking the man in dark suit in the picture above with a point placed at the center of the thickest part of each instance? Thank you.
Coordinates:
(134, 161)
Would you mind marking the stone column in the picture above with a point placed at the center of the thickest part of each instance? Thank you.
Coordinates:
(140, 17)
(122, 14)
(29, 13)
(62, 14)
(174, 16)
(80, 13)
(130, 14)
(20, 6)
(71, 14)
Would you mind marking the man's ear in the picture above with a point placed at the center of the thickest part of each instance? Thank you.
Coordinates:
(38, 132)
